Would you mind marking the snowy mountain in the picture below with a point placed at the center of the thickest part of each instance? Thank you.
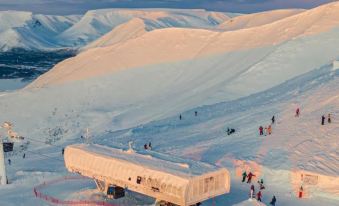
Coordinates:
(34, 31)
(29, 31)
(96, 23)
(134, 82)
(131, 29)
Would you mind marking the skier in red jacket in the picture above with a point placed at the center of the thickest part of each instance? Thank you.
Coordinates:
(249, 176)
(261, 130)
(297, 112)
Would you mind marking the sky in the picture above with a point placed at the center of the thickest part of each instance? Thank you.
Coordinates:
(63, 7)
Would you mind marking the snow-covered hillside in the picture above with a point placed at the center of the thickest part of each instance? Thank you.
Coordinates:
(34, 31)
(134, 87)
(131, 29)
(257, 19)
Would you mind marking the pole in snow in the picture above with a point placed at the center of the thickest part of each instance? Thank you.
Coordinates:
(87, 137)
(3, 177)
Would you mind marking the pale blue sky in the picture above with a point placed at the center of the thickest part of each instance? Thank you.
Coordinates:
(81, 6)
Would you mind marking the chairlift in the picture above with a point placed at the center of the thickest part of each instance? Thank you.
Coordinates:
(115, 192)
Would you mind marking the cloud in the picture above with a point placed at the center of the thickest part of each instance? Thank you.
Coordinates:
(81, 6)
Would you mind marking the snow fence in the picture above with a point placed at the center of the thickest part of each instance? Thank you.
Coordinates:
(56, 201)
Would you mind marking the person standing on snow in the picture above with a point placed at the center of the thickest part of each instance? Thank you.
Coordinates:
(252, 191)
(301, 190)
(323, 120)
(273, 201)
(244, 175)
(329, 120)
(259, 196)
(297, 112)
(250, 175)
(150, 145)
(269, 129)
(180, 117)
(145, 146)
(266, 132)
(196, 113)
(273, 119)
(261, 130)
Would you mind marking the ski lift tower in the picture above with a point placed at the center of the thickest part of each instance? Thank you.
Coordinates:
(3, 177)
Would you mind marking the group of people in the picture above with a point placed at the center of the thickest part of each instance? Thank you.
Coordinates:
(195, 114)
(148, 146)
(323, 118)
(268, 129)
(259, 195)
(329, 119)
(249, 176)
(265, 131)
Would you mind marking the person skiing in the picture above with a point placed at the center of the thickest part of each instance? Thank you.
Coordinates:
(145, 146)
(329, 120)
(252, 191)
(180, 117)
(63, 151)
(244, 175)
(261, 130)
(269, 129)
(24, 156)
(273, 201)
(9, 161)
(196, 113)
(150, 145)
(266, 132)
(273, 119)
(323, 120)
(249, 176)
(297, 112)
(259, 196)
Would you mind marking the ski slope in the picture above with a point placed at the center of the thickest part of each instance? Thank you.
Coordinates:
(134, 89)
